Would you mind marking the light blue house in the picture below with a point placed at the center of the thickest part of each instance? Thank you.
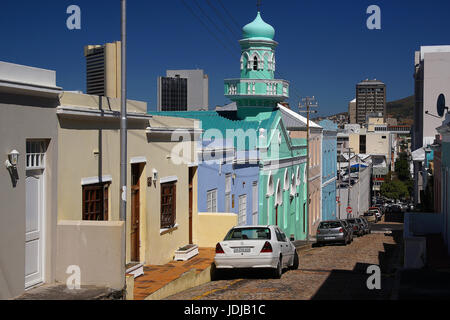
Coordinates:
(227, 182)
(329, 169)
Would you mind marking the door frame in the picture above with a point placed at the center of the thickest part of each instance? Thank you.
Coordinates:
(43, 229)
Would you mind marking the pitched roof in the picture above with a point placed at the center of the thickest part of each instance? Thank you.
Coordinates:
(223, 121)
(292, 119)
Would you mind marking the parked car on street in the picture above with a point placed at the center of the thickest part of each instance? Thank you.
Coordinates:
(366, 223)
(332, 231)
(377, 212)
(256, 247)
(348, 227)
(371, 216)
(357, 227)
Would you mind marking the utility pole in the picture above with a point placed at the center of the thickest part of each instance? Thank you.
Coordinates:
(123, 126)
(308, 102)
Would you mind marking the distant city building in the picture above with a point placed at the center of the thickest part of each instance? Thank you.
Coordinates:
(103, 69)
(352, 111)
(183, 90)
(370, 98)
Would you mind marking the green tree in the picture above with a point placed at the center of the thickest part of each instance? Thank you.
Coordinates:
(402, 167)
(395, 189)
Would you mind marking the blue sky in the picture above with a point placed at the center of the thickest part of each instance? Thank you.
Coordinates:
(324, 46)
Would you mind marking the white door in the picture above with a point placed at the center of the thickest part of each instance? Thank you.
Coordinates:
(34, 222)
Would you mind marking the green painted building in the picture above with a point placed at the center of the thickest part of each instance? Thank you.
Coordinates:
(259, 136)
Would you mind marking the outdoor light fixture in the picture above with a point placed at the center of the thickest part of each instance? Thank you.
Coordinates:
(155, 174)
(13, 159)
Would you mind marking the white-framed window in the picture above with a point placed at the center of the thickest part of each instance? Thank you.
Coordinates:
(35, 157)
(242, 209)
(255, 202)
(286, 180)
(228, 193)
(211, 200)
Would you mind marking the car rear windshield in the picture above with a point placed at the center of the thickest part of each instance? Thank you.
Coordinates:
(248, 234)
(330, 225)
(351, 220)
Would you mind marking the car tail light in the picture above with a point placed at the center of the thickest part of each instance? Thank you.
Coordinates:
(219, 248)
(267, 247)
(355, 228)
(318, 231)
(341, 230)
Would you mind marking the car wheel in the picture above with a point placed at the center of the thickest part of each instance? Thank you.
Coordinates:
(278, 271)
(295, 263)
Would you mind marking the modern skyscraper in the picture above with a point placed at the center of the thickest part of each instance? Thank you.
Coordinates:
(352, 111)
(370, 99)
(103, 69)
(183, 90)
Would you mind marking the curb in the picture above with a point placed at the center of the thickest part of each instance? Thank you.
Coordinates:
(187, 280)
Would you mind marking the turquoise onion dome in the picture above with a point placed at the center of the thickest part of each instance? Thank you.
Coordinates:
(259, 29)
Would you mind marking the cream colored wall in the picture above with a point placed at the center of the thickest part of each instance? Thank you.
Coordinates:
(376, 144)
(78, 100)
(113, 69)
(353, 139)
(214, 227)
(96, 248)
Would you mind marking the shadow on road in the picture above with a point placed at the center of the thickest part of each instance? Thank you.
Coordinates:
(352, 285)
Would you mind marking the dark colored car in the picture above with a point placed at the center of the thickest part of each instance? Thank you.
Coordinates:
(349, 228)
(332, 231)
(366, 223)
(358, 228)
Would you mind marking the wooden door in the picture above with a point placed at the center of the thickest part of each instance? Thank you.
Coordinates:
(135, 212)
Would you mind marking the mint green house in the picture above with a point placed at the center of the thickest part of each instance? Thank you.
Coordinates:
(255, 128)
(282, 181)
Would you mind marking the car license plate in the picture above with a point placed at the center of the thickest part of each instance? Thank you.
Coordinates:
(329, 238)
(242, 250)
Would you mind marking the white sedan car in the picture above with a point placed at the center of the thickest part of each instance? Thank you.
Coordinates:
(256, 247)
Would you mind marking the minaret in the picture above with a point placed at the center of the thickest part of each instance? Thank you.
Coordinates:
(257, 90)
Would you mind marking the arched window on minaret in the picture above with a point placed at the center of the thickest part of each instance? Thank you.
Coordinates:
(255, 63)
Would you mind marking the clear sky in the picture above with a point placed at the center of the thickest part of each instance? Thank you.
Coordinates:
(324, 47)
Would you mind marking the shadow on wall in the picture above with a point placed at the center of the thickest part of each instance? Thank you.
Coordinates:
(352, 285)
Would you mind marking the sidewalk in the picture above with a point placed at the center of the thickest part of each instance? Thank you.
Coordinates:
(157, 277)
(61, 292)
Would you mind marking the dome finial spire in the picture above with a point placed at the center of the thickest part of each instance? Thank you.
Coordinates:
(258, 5)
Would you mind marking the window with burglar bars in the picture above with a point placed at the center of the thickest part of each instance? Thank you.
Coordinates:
(168, 205)
(95, 202)
(36, 154)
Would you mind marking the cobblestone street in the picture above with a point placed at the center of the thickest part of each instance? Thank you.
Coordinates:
(329, 272)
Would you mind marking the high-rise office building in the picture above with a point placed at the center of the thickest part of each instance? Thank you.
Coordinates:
(370, 99)
(352, 111)
(183, 90)
(103, 69)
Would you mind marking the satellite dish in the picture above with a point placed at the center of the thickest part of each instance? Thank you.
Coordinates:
(441, 105)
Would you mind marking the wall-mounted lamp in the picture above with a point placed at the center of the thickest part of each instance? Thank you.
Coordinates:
(155, 175)
(13, 159)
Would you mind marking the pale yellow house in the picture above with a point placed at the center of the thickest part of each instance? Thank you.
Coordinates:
(161, 195)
